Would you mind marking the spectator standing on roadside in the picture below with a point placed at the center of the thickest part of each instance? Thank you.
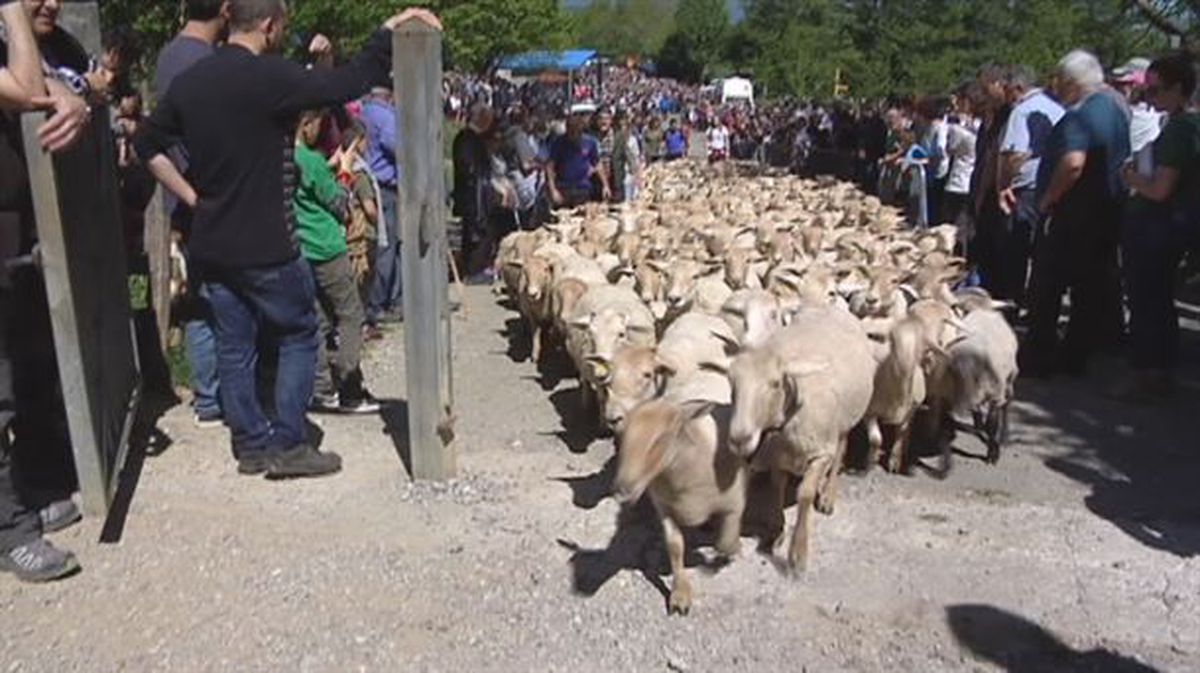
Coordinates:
(574, 167)
(206, 25)
(675, 141)
(653, 141)
(1145, 122)
(236, 114)
(1163, 216)
(1033, 116)
(961, 137)
(322, 205)
(472, 170)
(984, 250)
(29, 403)
(717, 138)
(1079, 187)
(379, 116)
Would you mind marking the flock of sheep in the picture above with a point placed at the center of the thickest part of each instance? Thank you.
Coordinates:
(732, 322)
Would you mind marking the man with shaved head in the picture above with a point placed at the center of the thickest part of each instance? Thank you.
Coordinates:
(235, 113)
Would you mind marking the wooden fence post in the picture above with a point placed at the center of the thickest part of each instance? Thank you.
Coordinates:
(417, 78)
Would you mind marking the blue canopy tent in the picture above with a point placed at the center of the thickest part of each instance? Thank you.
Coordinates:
(543, 61)
(537, 62)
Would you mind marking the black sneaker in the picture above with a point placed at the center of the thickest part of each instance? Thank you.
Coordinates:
(360, 405)
(59, 515)
(325, 404)
(303, 461)
(254, 464)
(39, 561)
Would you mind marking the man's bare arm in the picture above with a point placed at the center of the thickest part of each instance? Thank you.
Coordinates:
(164, 170)
(21, 81)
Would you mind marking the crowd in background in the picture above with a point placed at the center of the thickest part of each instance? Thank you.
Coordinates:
(1082, 182)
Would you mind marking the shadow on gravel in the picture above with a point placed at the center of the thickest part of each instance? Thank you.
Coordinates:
(1141, 461)
(395, 425)
(579, 427)
(145, 440)
(636, 545)
(1020, 646)
(588, 492)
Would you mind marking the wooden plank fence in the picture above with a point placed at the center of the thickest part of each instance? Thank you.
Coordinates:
(77, 206)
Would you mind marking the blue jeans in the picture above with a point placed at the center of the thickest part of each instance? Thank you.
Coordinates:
(385, 291)
(273, 307)
(201, 345)
(1152, 247)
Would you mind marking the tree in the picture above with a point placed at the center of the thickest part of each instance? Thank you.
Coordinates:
(625, 27)
(698, 43)
(1178, 19)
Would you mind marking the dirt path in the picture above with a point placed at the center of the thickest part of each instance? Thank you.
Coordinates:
(1077, 553)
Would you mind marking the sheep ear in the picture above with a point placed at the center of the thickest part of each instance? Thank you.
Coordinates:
(582, 322)
(714, 367)
(731, 345)
(698, 408)
(910, 292)
(516, 263)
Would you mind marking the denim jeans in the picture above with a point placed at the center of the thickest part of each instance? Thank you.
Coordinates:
(384, 294)
(273, 308)
(201, 345)
(1152, 247)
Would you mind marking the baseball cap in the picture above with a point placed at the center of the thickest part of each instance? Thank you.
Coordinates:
(1132, 71)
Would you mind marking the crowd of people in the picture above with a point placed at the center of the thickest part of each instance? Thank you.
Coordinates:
(281, 184)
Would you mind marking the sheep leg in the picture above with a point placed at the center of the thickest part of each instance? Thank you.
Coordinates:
(535, 349)
(875, 440)
(729, 533)
(992, 431)
(827, 492)
(898, 460)
(680, 602)
(806, 494)
(779, 482)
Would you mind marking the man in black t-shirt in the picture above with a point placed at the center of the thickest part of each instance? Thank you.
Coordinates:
(235, 113)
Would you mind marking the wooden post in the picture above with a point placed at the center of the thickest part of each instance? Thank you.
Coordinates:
(157, 241)
(76, 204)
(417, 77)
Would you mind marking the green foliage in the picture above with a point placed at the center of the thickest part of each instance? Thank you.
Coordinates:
(913, 46)
(476, 30)
(625, 27)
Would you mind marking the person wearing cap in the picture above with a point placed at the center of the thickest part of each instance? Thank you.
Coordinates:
(574, 166)
(1161, 219)
(1145, 122)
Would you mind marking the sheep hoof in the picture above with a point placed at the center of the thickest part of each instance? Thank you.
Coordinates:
(681, 602)
(823, 504)
(795, 569)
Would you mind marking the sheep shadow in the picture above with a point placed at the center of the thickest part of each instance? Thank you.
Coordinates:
(1021, 646)
(588, 492)
(580, 428)
(520, 347)
(637, 545)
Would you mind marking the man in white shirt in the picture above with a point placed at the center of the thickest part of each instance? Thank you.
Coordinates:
(1145, 122)
(1033, 117)
(718, 142)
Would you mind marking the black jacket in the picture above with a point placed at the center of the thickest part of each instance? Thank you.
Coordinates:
(235, 113)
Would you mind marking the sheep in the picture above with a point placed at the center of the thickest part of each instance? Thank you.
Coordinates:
(605, 318)
(977, 376)
(754, 316)
(637, 373)
(698, 285)
(898, 391)
(676, 449)
(809, 385)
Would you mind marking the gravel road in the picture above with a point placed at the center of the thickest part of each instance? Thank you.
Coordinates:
(1079, 552)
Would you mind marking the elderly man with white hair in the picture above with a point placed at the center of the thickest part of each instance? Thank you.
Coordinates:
(1079, 188)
